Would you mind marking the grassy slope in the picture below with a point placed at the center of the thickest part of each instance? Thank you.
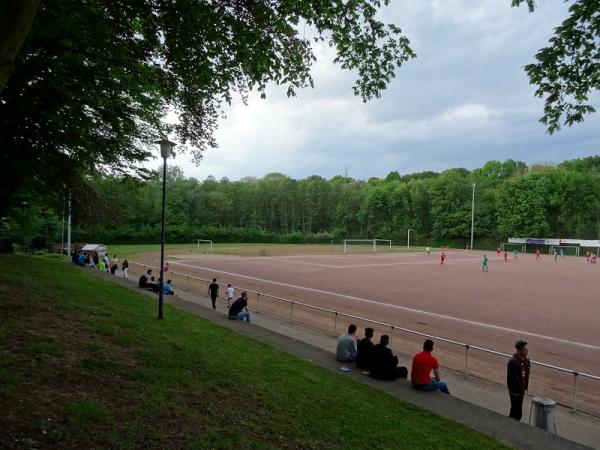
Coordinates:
(84, 363)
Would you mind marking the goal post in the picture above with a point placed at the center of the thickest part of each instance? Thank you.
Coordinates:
(567, 250)
(509, 246)
(373, 244)
(205, 241)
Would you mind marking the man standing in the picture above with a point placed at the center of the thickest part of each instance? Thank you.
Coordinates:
(485, 263)
(517, 379)
(346, 346)
(239, 309)
(385, 364)
(230, 294)
(364, 353)
(422, 365)
(213, 290)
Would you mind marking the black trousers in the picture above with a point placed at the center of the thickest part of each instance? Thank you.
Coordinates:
(516, 406)
(214, 301)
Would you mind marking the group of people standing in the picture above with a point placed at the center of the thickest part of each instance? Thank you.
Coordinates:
(100, 261)
(378, 361)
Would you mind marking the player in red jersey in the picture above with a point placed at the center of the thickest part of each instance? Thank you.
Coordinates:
(537, 254)
(498, 251)
(442, 258)
(505, 256)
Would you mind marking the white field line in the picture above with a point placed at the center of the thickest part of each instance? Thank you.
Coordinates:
(329, 266)
(403, 308)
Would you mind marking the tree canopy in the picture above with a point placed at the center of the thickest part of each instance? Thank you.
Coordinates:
(93, 83)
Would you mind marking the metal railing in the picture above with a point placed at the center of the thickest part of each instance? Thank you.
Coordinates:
(393, 328)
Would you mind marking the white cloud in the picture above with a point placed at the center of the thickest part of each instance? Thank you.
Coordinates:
(464, 100)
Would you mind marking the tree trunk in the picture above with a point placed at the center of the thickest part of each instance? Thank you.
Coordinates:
(15, 24)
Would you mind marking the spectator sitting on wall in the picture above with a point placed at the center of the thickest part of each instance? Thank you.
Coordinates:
(384, 365)
(422, 365)
(82, 259)
(346, 345)
(143, 281)
(364, 352)
(168, 289)
(239, 309)
(101, 266)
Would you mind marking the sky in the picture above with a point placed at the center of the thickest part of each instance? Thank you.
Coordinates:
(463, 101)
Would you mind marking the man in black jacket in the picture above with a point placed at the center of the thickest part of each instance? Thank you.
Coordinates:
(517, 379)
(365, 351)
(384, 364)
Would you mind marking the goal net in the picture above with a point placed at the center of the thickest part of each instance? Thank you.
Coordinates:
(204, 246)
(366, 245)
(564, 250)
(509, 247)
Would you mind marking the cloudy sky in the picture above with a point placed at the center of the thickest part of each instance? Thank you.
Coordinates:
(464, 100)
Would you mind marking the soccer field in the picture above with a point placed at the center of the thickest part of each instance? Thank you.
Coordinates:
(552, 305)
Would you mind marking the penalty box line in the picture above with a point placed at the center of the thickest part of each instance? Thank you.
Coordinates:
(403, 308)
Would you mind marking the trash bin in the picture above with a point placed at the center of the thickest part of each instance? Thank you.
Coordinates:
(543, 413)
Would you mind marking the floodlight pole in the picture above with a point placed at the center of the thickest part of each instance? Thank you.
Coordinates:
(472, 214)
(165, 150)
(408, 239)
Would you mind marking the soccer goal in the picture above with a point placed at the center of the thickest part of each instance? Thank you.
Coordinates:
(509, 247)
(366, 245)
(567, 250)
(205, 246)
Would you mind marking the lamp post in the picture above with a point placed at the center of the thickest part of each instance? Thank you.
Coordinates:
(165, 151)
(408, 239)
(472, 214)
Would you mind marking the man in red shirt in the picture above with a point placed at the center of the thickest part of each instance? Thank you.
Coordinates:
(422, 365)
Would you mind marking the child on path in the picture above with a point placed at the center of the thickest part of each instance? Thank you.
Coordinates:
(485, 263)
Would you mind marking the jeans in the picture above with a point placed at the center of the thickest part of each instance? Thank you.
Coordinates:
(433, 386)
(241, 316)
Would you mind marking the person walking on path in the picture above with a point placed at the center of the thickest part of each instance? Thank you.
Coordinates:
(346, 346)
(230, 294)
(125, 268)
(239, 309)
(365, 349)
(422, 365)
(213, 290)
(384, 365)
(485, 263)
(517, 379)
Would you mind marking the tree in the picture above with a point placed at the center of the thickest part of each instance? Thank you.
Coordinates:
(15, 22)
(92, 84)
(568, 69)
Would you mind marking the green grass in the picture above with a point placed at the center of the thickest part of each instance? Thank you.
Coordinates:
(85, 363)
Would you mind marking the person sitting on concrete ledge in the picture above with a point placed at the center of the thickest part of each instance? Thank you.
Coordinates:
(422, 365)
(239, 309)
(168, 289)
(364, 350)
(143, 281)
(346, 346)
(384, 364)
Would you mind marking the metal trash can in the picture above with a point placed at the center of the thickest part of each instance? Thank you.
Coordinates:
(543, 413)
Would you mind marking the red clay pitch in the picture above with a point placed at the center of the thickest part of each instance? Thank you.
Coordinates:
(553, 305)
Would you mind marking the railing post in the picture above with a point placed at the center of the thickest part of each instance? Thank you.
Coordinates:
(391, 336)
(188, 280)
(575, 391)
(335, 324)
(257, 301)
(466, 360)
(292, 313)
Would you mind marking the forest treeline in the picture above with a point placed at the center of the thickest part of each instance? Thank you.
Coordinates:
(511, 199)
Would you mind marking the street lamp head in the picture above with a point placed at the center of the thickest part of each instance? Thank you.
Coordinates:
(165, 147)
(473, 185)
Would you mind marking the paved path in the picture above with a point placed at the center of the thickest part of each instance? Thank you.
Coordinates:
(477, 404)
